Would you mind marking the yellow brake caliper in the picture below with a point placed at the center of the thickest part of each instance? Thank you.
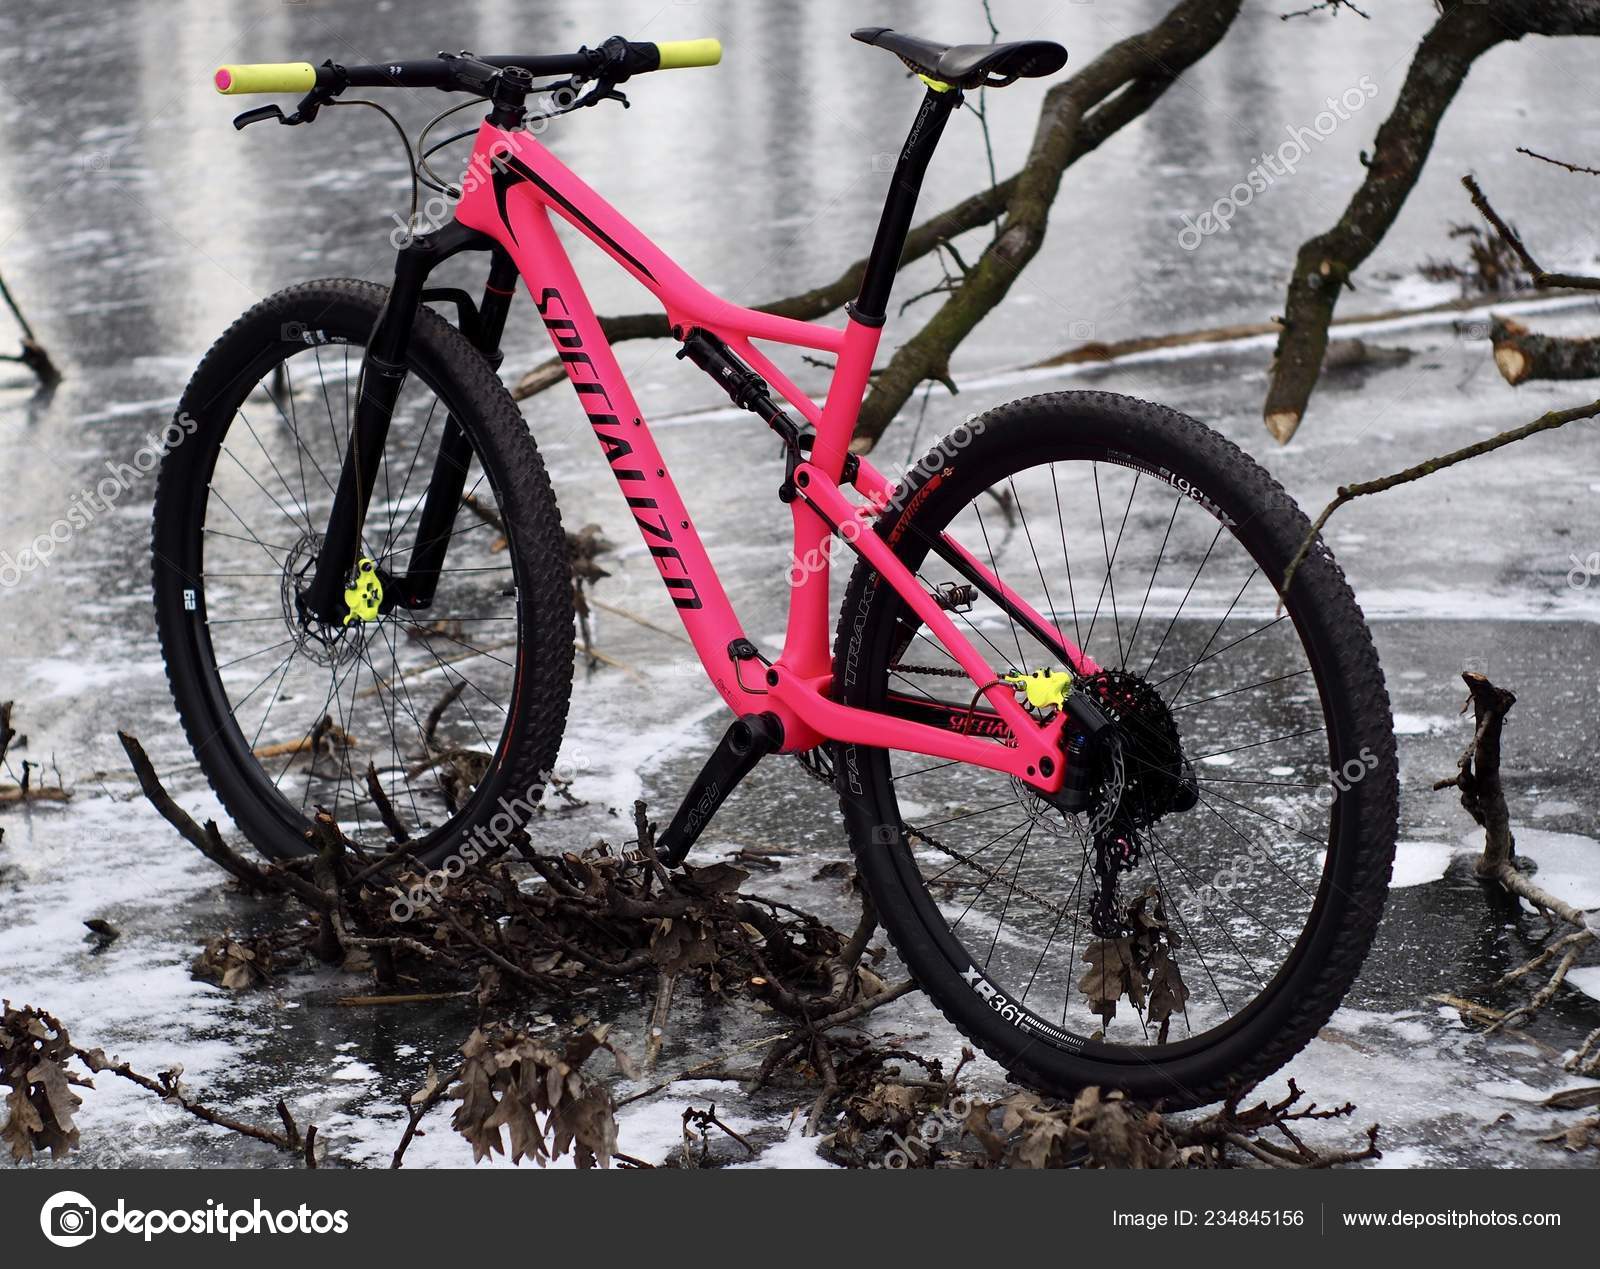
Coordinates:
(364, 598)
(1044, 687)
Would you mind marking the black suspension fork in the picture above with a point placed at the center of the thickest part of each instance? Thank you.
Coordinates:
(383, 374)
(448, 482)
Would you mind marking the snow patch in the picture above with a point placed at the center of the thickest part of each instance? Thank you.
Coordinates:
(1420, 724)
(1417, 863)
(1569, 863)
(794, 1151)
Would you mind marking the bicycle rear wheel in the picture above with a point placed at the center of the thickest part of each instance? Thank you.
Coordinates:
(1189, 930)
(440, 720)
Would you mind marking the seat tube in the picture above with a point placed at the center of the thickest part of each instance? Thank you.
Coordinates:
(805, 652)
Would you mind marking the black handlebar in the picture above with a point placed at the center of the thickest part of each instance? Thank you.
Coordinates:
(615, 60)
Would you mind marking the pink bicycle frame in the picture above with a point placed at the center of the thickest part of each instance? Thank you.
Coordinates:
(513, 184)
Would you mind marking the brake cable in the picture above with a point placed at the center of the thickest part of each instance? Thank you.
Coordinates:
(430, 178)
(411, 162)
(564, 92)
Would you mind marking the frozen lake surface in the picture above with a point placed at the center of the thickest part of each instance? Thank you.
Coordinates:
(139, 225)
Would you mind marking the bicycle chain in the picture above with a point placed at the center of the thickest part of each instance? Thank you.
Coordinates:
(937, 671)
(980, 869)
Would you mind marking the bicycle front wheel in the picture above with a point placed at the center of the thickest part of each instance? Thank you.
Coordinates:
(1186, 928)
(428, 721)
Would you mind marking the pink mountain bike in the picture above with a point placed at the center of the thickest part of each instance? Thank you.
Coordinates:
(1126, 812)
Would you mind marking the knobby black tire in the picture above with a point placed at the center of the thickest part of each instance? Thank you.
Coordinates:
(442, 358)
(1319, 972)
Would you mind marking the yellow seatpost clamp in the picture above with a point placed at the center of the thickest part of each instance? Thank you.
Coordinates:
(364, 598)
(1044, 687)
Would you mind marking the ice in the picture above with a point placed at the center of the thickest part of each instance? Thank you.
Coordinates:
(1468, 569)
(1417, 863)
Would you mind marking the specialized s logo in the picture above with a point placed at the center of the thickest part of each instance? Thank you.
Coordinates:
(647, 513)
(510, 171)
(907, 517)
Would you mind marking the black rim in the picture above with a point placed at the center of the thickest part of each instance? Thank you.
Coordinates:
(1230, 802)
(277, 437)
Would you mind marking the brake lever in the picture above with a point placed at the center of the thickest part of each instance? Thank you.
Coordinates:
(604, 90)
(568, 95)
(259, 115)
(305, 112)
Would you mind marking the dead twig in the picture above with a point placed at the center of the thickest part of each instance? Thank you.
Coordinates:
(1347, 493)
(32, 354)
(1541, 276)
(1571, 167)
(208, 840)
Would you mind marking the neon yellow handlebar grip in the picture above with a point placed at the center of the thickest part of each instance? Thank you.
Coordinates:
(266, 77)
(680, 53)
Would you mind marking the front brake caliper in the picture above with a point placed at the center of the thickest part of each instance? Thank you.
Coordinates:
(365, 598)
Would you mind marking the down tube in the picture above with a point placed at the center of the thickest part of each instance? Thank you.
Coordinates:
(635, 461)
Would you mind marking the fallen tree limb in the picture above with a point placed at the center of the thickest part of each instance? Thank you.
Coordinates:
(1477, 779)
(208, 840)
(172, 1092)
(1097, 351)
(1521, 354)
(36, 1055)
(1464, 31)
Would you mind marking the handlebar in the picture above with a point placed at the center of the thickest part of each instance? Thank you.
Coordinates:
(633, 58)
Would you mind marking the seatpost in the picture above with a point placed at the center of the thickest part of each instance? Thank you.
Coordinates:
(871, 306)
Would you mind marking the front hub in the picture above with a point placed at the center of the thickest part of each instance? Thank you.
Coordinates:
(323, 642)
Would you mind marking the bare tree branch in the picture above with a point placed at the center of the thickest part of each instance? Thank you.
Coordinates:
(1571, 167)
(1465, 30)
(1544, 423)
